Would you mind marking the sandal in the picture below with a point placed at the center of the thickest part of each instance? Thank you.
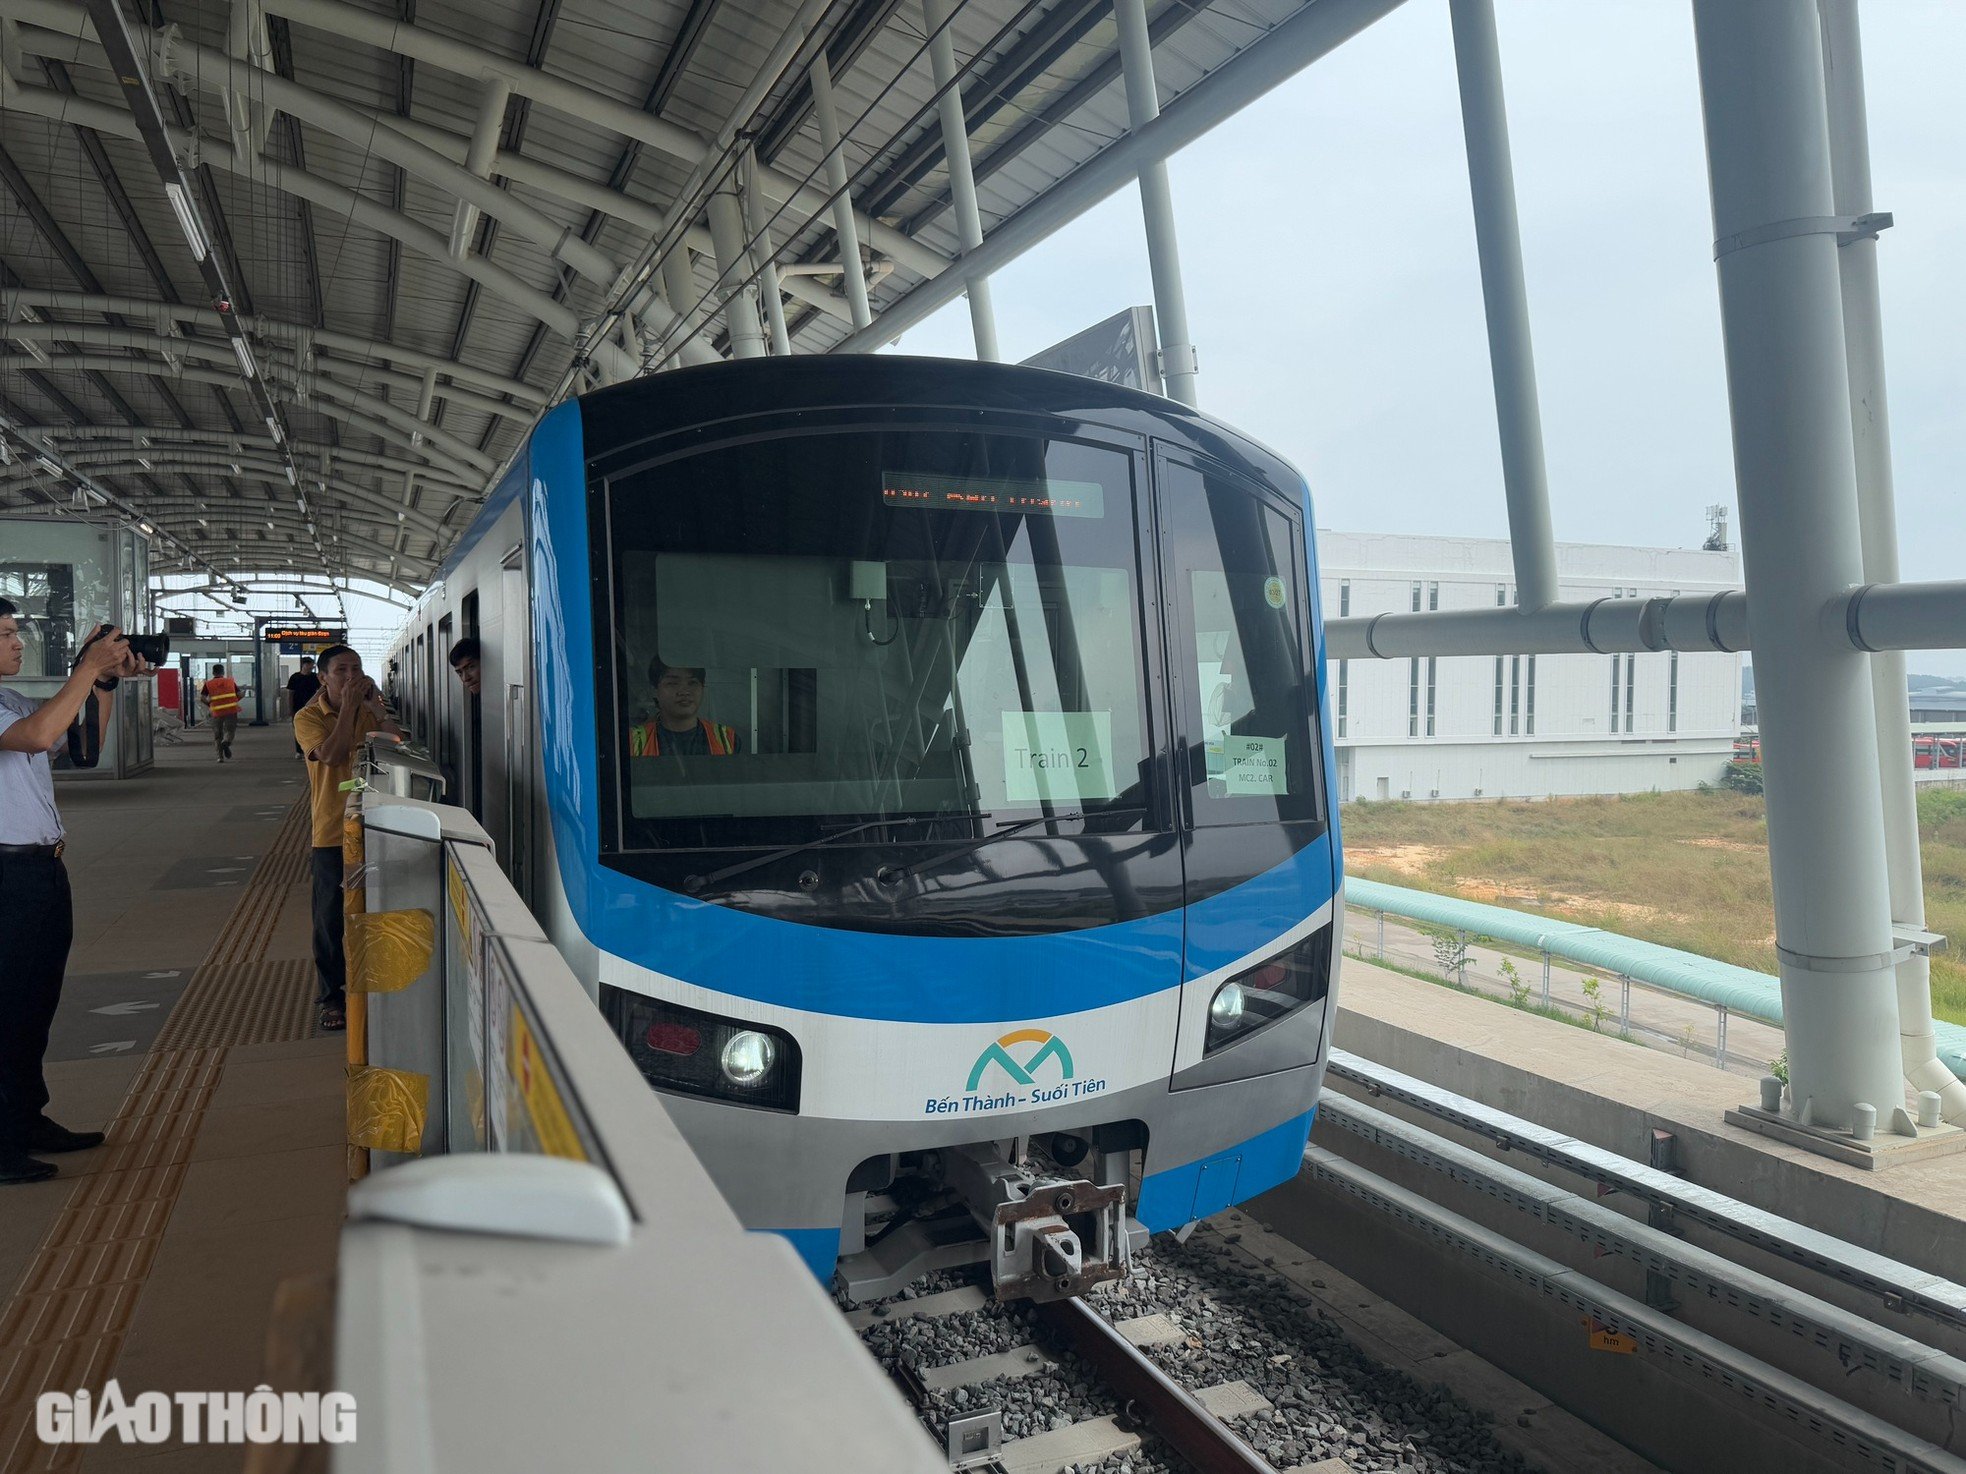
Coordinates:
(333, 1020)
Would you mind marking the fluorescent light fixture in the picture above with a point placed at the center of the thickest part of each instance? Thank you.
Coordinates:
(36, 352)
(53, 468)
(246, 364)
(188, 222)
(292, 480)
(273, 429)
(203, 523)
(147, 529)
(145, 464)
(235, 469)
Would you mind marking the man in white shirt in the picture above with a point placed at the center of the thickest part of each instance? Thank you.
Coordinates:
(37, 920)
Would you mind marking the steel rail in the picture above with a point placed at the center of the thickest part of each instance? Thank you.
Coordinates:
(1855, 1436)
(1851, 1341)
(1900, 1286)
(1200, 1437)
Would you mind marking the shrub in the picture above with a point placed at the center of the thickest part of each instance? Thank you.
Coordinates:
(1594, 1003)
(1518, 989)
(1742, 777)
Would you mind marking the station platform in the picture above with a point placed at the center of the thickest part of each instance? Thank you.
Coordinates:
(187, 1032)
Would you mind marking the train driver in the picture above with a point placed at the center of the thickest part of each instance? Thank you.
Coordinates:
(677, 729)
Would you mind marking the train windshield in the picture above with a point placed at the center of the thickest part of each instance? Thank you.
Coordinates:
(876, 624)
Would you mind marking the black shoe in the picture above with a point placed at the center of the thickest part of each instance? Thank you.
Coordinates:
(20, 1167)
(45, 1136)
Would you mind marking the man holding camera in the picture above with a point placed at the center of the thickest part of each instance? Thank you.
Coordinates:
(329, 728)
(37, 918)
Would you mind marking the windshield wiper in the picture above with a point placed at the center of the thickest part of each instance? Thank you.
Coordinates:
(695, 883)
(1005, 832)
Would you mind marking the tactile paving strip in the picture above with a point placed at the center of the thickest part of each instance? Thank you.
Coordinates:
(66, 1322)
(235, 998)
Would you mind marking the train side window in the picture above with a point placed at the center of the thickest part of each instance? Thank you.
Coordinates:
(1248, 687)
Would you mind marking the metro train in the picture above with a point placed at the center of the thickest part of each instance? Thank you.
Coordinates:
(924, 764)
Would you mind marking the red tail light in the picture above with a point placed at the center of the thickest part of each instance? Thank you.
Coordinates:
(674, 1038)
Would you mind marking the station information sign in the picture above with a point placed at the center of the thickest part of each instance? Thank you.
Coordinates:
(282, 634)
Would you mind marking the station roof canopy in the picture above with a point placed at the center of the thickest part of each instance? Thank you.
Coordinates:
(291, 279)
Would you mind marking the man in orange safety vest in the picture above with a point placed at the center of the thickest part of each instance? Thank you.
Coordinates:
(221, 698)
(676, 729)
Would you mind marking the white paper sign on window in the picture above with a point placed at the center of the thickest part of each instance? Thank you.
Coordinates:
(1253, 765)
(1058, 756)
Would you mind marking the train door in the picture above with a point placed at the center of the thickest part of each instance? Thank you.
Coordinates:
(515, 844)
(471, 726)
(447, 694)
(1248, 756)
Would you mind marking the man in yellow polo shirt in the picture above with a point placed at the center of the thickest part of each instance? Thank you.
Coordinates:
(329, 729)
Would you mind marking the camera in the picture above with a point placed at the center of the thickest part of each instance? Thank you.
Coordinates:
(151, 649)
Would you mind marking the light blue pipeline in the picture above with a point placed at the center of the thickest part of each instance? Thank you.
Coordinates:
(1737, 989)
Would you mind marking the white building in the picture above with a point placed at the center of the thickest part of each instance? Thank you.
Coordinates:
(1522, 726)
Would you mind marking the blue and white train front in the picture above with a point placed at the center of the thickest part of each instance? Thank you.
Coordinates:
(940, 793)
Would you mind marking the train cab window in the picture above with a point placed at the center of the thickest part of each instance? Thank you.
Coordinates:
(876, 624)
(1237, 574)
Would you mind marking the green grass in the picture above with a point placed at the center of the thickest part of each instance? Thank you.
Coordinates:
(1687, 870)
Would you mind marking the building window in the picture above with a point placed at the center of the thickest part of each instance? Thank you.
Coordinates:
(1344, 694)
(1515, 695)
(1416, 598)
(1672, 693)
(1433, 596)
(1529, 703)
(1433, 663)
(1344, 597)
(1501, 595)
(1614, 693)
(1413, 688)
(1501, 661)
(1630, 662)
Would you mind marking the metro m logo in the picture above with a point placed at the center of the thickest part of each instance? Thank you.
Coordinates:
(1050, 1046)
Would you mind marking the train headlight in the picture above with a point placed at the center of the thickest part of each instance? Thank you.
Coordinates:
(1273, 989)
(690, 1052)
(748, 1058)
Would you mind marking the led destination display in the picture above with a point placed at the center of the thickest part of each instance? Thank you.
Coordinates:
(993, 494)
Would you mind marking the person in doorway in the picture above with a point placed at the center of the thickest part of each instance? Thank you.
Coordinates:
(464, 660)
(301, 686)
(37, 916)
(677, 729)
(221, 697)
(330, 727)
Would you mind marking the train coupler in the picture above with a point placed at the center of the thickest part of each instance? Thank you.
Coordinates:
(1049, 1237)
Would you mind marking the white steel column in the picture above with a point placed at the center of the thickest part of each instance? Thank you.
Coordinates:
(1870, 423)
(962, 182)
(853, 278)
(741, 306)
(1498, 242)
(757, 231)
(1177, 349)
(1767, 135)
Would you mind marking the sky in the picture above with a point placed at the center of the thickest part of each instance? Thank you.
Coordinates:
(1328, 251)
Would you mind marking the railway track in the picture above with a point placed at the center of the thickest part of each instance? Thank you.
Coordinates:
(1204, 1361)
